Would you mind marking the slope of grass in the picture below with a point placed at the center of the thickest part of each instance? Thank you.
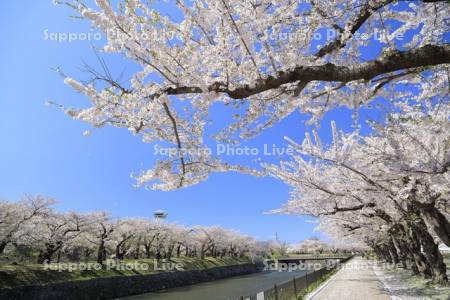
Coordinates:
(34, 274)
(312, 287)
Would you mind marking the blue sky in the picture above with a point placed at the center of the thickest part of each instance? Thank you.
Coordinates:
(44, 152)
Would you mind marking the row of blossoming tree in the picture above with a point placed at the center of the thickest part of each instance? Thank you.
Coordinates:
(389, 190)
(315, 246)
(263, 60)
(32, 229)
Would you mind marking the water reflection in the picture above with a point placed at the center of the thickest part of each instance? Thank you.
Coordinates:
(224, 289)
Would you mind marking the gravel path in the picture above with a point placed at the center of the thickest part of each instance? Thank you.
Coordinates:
(355, 281)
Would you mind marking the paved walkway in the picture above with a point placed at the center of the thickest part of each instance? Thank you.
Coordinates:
(355, 281)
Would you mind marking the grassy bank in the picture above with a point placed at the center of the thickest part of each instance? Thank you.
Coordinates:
(30, 274)
(312, 287)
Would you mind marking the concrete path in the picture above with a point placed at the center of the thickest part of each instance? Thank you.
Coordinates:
(355, 281)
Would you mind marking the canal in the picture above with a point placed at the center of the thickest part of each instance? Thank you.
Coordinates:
(224, 289)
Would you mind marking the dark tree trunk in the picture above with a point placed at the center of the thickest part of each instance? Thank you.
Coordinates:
(392, 252)
(420, 260)
(433, 255)
(147, 250)
(87, 254)
(170, 251)
(377, 251)
(58, 258)
(401, 252)
(46, 255)
(101, 252)
(119, 253)
(137, 250)
(437, 222)
(383, 253)
(203, 251)
(3, 245)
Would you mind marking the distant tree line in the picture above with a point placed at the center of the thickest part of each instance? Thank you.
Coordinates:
(32, 230)
(316, 246)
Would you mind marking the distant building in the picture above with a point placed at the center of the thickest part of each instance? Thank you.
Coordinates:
(160, 214)
(444, 249)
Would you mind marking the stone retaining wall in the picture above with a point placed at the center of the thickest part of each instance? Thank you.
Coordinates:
(121, 286)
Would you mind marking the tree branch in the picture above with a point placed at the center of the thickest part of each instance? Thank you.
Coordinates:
(428, 55)
(352, 208)
(177, 137)
(364, 14)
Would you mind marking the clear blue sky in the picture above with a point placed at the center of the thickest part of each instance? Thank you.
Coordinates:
(44, 152)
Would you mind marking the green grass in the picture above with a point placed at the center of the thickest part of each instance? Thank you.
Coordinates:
(34, 274)
(315, 285)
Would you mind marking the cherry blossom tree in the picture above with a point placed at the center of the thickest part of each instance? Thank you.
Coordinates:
(40, 233)
(309, 246)
(14, 217)
(149, 231)
(389, 189)
(260, 61)
(122, 237)
(99, 233)
(50, 233)
(204, 240)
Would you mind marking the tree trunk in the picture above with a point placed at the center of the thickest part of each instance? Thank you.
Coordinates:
(401, 253)
(46, 255)
(58, 258)
(420, 260)
(101, 252)
(437, 222)
(202, 254)
(147, 250)
(137, 250)
(433, 256)
(170, 251)
(119, 254)
(387, 254)
(392, 252)
(383, 253)
(87, 253)
(3, 245)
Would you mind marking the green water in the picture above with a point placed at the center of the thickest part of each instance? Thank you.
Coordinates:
(224, 289)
